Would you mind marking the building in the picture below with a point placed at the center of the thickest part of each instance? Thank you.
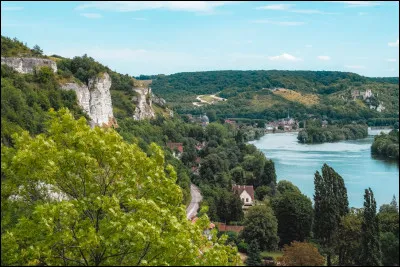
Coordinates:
(357, 94)
(204, 120)
(246, 194)
(176, 147)
(324, 123)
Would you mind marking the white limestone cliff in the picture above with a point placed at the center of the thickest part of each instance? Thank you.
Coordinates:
(144, 109)
(28, 65)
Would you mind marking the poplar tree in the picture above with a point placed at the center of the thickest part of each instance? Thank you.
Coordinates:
(331, 204)
(370, 244)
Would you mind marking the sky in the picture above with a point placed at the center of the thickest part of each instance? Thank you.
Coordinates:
(156, 37)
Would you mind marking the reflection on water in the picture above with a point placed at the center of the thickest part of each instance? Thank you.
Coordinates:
(351, 159)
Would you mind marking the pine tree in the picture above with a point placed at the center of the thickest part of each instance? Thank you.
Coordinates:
(331, 204)
(371, 251)
(254, 257)
(393, 203)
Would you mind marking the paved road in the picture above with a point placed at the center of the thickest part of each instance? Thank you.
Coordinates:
(191, 210)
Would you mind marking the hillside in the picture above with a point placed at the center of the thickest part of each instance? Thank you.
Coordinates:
(250, 93)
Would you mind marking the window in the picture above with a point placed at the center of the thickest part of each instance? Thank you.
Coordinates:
(247, 200)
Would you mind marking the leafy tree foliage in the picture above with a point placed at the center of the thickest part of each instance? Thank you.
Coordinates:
(261, 225)
(332, 133)
(370, 249)
(294, 213)
(301, 254)
(330, 204)
(386, 145)
(89, 198)
(253, 255)
(349, 238)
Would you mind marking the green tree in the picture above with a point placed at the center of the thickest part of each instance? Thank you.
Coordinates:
(90, 198)
(330, 204)
(390, 249)
(301, 254)
(37, 50)
(349, 238)
(295, 214)
(253, 255)
(261, 225)
(286, 186)
(370, 249)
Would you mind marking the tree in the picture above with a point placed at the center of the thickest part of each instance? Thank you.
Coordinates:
(370, 248)
(390, 249)
(349, 238)
(253, 255)
(286, 186)
(89, 198)
(261, 192)
(294, 213)
(211, 115)
(261, 225)
(330, 204)
(37, 50)
(269, 174)
(301, 254)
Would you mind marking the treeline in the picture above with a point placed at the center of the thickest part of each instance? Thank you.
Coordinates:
(386, 145)
(312, 134)
(15, 48)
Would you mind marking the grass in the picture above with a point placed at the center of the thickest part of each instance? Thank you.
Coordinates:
(273, 254)
(306, 99)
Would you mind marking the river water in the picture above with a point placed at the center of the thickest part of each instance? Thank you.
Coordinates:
(297, 163)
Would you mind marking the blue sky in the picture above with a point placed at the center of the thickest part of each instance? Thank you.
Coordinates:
(169, 37)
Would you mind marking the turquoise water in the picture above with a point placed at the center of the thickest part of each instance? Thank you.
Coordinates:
(297, 163)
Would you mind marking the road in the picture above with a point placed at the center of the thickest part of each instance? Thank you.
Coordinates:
(193, 207)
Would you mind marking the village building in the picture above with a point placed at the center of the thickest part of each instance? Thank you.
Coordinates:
(246, 194)
(204, 120)
(177, 149)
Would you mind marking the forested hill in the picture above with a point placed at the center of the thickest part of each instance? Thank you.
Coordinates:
(249, 94)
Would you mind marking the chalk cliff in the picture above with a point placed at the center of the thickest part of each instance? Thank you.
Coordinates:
(28, 65)
(144, 109)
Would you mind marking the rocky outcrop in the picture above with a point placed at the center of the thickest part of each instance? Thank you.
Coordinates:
(158, 100)
(95, 99)
(82, 93)
(144, 109)
(28, 65)
(100, 99)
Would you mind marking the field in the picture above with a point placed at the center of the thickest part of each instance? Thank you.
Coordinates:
(305, 99)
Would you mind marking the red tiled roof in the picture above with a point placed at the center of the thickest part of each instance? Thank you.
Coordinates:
(240, 188)
(172, 146)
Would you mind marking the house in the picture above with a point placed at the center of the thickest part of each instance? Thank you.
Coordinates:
(174, 147)
(200, 146)
(246, 194)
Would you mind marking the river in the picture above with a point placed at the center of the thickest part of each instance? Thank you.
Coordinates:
(297, 163)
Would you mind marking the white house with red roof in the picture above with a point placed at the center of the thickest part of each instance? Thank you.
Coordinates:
(246, 194)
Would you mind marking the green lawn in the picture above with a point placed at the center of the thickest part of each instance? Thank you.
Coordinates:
(273, 254)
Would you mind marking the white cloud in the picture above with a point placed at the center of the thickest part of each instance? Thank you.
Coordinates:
(130, 6)
(282, 23)
(357, 3)
(308, 46)
(91, 15)
(355, 66)
(324, 57)
(391, 60)
(12, 8)
(285, 56)
(394, 44)
(276, 7)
